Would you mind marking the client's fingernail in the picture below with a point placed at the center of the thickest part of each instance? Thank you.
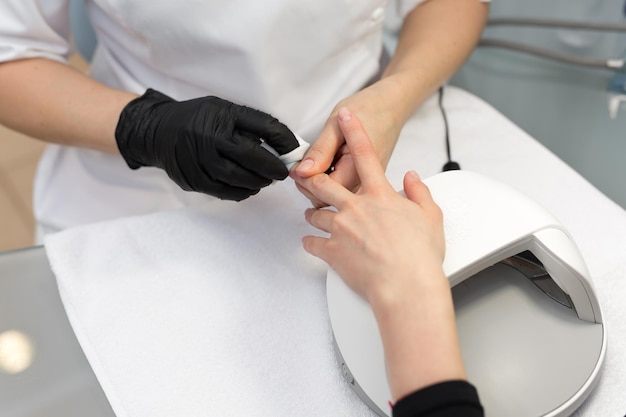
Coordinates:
(414, 174)
(344, 114)
(305, 166)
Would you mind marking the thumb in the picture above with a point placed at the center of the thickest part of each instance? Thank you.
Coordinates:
(322, 152)
(416, 190)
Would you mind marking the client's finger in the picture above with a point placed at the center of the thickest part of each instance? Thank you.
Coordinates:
(320, 155)
(316, 246)
(368, 167)
(320, 218)
(416, 190)
(325, 189)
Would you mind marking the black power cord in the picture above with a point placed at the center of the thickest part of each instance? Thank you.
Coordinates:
(450, 165)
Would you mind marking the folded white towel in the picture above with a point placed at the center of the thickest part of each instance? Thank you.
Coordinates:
(214, 312)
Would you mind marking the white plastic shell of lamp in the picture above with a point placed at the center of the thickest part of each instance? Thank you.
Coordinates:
(527, 354)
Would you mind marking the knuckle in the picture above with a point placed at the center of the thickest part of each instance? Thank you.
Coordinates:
(437, 213)
(318, 181)
(361, 149)
(320, 149)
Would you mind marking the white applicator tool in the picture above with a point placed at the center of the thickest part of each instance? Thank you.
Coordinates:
(290, 158)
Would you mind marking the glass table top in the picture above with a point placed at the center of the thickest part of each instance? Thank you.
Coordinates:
(43, 371)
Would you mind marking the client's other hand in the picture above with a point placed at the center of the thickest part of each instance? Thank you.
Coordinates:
(379, 241)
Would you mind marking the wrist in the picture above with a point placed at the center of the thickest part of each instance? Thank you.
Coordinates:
(398, 289)
(136, 128)
(417, 328)
(406, 91)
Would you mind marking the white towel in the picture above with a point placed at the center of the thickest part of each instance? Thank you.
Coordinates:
(214, 312)
(217, 311)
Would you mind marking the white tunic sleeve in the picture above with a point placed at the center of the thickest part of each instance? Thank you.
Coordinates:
(34, 28)
(403, 7)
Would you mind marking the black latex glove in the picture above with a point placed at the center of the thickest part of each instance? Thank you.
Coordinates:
(206, 144)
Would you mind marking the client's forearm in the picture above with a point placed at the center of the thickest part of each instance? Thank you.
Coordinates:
(418, 330)
(436, 38)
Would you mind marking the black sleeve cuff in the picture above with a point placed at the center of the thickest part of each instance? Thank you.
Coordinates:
(449, 398)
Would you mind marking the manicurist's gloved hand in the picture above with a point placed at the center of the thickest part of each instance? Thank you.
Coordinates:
(206, 144)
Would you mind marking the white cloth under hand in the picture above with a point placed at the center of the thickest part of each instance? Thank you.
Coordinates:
(215, 312)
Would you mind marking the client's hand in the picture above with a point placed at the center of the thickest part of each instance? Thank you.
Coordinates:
(206, 144)
(380, 122)
(379, 241)
(390, 249)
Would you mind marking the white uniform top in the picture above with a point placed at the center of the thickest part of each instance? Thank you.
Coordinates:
(293, 59)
